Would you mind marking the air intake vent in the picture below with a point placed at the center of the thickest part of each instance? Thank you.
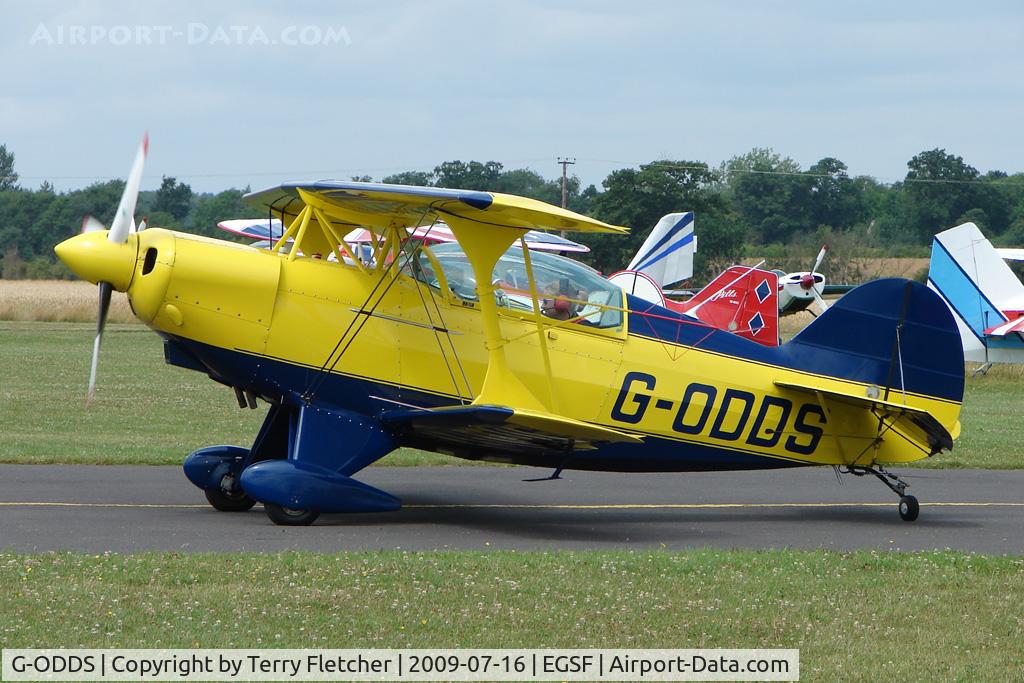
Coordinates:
(147, 265)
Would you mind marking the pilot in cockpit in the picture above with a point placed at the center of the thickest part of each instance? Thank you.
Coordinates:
(560, 300)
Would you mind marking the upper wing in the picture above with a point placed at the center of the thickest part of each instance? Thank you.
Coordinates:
(381, 206)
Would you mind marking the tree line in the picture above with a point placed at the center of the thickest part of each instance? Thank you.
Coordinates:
(753, 204)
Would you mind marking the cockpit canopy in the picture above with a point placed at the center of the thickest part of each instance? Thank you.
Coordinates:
(566, 289)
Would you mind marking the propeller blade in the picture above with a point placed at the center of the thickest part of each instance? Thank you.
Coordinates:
(125, 215)
(821, 257)
(142, 225)
(822, 305)
(92, 224)
(101, 321)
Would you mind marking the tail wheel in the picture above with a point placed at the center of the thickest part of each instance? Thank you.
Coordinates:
(909, 508)
(288, 517)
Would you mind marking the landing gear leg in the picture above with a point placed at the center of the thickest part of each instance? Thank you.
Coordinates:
(909, 507)
(324, 447)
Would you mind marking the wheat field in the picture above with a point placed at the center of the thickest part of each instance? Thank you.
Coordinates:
(57, 301)
(63, 301)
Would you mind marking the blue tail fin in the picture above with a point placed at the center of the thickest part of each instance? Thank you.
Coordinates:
(896, 333)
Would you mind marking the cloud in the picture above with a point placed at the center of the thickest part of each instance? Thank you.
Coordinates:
(415, 83)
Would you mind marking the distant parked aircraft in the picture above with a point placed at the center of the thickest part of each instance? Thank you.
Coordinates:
(986, 298)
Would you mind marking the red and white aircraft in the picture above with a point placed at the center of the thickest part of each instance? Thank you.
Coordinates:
(743, 300)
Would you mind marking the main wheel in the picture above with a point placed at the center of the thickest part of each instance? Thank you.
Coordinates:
(909, 508)
(288, 517)
(233, 501)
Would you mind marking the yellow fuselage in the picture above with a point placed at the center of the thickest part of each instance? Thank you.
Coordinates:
(702, 399)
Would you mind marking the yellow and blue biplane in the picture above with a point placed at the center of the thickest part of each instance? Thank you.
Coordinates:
(486, 350)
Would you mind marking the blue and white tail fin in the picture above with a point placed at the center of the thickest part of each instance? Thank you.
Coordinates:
(985, 296)
(666, 256)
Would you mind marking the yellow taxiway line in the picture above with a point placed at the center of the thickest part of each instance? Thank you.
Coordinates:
(537, 506)
(687, 506)
(53, 504)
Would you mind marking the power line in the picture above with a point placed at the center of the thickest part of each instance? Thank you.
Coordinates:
(246, 174)
(807, 174)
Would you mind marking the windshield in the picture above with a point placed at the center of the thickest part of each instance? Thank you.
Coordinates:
(567, 289)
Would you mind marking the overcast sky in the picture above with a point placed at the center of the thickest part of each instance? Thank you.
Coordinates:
(239, 93)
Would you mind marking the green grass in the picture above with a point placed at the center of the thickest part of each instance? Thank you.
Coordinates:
(147, 412)
(144, 412)
(990, 421)
(856, 616)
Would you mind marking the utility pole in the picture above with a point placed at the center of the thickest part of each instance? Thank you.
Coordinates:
(566, 162)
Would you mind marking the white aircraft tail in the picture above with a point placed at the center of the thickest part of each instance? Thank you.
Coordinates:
(982, 292)
(667, 254)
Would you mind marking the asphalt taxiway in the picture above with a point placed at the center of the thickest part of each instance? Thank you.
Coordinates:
(130, 509)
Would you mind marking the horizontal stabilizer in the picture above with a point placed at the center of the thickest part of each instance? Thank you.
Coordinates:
(918, 425)
(479, 430)
(1011, 254)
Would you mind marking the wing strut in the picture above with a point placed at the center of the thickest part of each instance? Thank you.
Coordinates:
(538, 317)
(483, 249)
(443, 327)
(335, 355)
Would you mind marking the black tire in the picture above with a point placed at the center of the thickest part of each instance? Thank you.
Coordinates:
(909, 508)
(286, 517)
(236, 501)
